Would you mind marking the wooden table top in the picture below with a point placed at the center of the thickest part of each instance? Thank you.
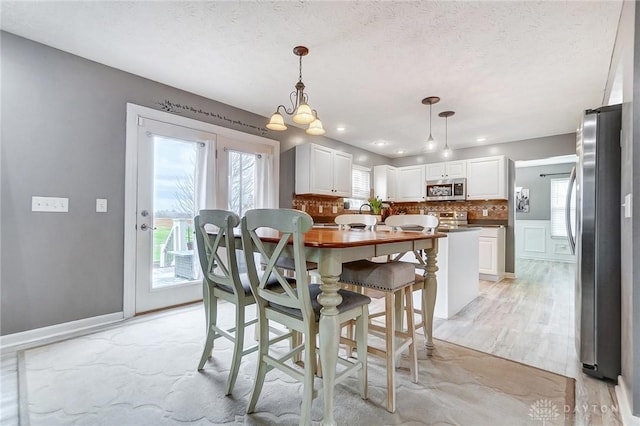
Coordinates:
(337, 238)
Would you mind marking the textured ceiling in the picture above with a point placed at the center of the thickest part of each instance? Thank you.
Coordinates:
(510, 70)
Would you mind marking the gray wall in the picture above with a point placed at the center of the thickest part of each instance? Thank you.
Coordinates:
(63, 134)
(626, 63)
(539, 188)
(631, 240)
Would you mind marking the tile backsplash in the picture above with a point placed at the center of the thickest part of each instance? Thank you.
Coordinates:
(322, 208)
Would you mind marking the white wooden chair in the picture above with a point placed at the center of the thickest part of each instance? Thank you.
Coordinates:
(346, 221)
(392, 278)
(428, 224)
(295, 307)
(222, 280)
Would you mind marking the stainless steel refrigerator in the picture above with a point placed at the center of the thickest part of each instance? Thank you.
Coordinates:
(596, 242)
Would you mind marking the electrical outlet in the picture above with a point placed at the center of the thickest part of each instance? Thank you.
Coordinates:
(335, 209)
(320, 208)
(49, 204)
(304, 207)
(485, 212)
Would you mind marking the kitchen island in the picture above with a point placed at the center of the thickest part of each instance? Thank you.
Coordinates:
(458, 270)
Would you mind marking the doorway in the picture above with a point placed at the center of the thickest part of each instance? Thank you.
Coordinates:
(176, 166)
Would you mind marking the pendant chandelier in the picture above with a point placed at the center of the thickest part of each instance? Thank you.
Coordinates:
(300, 110)
(431, 143)
(446, 151)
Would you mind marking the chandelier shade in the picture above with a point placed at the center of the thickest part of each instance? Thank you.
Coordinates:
(303, 114)
(276, 122)
(315, 128)
(300, 110)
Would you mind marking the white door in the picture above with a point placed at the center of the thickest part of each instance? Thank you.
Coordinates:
(176, 166)
(167, 266)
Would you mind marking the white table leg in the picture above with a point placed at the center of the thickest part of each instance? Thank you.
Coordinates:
(329, 332)
(429, 294)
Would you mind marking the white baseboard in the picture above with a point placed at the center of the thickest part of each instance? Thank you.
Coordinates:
(44, 335)
(628, 419)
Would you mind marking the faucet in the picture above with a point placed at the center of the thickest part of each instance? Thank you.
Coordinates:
(365, 204)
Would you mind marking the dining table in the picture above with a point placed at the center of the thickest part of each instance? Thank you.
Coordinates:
(330, 248)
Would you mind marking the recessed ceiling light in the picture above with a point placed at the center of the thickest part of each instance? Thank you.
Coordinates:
(400, 151)
(380, 143)
(340, 128)
(481, 139)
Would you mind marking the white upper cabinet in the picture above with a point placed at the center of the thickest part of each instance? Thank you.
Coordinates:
(487, 178)
(385, 180)
(323, 171)
(448, 170)
(411, 184)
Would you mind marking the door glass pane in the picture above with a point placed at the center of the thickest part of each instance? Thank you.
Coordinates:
(242, 186)
(174, 260)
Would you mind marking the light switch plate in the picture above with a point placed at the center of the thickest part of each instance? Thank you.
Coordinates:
(485, 212)
(304, 207)
(49, 204)
(320, 209)
(628, 204)
(335, 209)
(101, 205)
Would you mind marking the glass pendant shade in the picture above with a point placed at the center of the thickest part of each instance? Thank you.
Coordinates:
(315, 128)
(276, 122)
(303, 115)
(431, 143)
(446, 152)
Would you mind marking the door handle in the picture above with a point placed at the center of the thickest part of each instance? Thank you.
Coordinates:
(567, 212)
(145, 227)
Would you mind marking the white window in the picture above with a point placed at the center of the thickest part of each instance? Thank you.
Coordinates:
(360, 186)
(558, 207)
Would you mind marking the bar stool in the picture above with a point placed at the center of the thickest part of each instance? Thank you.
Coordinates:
(427, 224)
(395, 280)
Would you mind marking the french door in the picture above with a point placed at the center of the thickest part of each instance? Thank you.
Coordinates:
(176, 166)
(167, 268)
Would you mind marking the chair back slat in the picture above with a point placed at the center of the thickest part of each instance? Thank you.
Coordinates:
(427, 222)
(291, 226)
(217, 251)
(348, 220)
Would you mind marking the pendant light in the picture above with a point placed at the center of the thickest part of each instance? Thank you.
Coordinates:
(446, 151)
(300, 110)
(431, 143)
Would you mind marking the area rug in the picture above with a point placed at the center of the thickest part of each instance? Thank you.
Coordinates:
(144, 373)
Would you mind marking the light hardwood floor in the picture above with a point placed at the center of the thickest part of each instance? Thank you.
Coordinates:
(530, 319)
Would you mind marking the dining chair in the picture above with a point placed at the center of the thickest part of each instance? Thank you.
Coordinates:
(426, 224)
(217, 252)
(295, 308)
(392, 278)
(346, 221)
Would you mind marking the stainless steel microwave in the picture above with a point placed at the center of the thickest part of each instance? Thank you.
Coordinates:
(447, 190)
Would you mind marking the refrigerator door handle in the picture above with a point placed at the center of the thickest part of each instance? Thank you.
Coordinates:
(567, 212)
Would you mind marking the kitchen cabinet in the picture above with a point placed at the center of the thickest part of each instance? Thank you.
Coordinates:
(447, 170)
(323, 171)
(385, 179)
(492, 253)
(411, 184)
(487, 178)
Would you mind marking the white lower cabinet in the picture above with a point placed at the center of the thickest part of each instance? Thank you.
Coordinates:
(491, 258)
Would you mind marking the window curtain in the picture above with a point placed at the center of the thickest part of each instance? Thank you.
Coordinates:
(205, 177)
(204, 187)
(265, 182)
